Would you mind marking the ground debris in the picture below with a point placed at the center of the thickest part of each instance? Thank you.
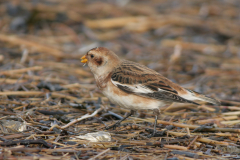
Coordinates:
(96, 136)
(48, 98)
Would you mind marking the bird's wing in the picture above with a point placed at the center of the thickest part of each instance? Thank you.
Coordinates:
(137, 79)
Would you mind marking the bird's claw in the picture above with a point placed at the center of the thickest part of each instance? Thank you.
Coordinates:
(114, 126)
(151, 135)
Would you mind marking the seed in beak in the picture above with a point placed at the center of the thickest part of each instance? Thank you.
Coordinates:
(84, 59)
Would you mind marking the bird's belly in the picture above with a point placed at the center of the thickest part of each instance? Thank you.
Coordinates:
(131, 101)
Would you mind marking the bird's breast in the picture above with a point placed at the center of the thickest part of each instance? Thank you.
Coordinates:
(130, 101)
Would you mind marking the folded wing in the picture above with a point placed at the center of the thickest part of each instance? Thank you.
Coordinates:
(137, 79)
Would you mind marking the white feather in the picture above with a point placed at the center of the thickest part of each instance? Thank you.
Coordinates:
(161, 90)
(190, 96)
(137, 88)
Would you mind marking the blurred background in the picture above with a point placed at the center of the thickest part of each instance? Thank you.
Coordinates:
(194, 43)
(44, 86)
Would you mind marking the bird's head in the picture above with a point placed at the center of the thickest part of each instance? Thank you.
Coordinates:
(101, 60)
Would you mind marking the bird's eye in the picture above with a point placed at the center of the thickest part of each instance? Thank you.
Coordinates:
(92, 56)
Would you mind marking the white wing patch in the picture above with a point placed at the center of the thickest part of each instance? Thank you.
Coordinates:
(137, 88)
(190, 96)
(161, 90)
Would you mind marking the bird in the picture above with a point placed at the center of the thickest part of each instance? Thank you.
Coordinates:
(133, 86)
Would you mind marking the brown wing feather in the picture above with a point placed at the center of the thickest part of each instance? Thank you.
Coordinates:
(130, 73)
(133, 73)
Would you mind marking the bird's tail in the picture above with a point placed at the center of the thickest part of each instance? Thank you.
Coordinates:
(193, 95)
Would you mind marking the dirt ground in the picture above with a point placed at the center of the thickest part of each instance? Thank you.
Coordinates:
(49, 101)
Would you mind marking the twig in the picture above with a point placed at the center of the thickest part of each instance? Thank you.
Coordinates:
(26, 142)
(82, 118)
(204, 140)
(192, 141)
(218, 119)
(189, 126)
(21, 93)
(39, 47)
(53, 94)
(7, 113)
(35, 77)
(197, 46)
(188, 154)
(105, 151)
(231, 113)
(176, 147)
(15, 71)
(11, 81)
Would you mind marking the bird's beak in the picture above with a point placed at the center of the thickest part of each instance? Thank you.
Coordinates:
(84, 59)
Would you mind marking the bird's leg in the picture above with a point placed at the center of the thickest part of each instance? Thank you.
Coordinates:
(156, 112)
(118, 122)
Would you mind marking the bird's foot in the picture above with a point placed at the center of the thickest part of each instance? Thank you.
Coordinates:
(151, 135)
(114, 126)
(155, 133)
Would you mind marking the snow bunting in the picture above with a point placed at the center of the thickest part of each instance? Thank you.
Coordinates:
(134, 86)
